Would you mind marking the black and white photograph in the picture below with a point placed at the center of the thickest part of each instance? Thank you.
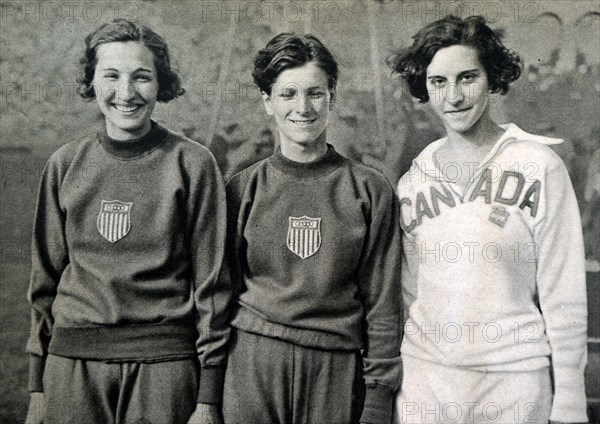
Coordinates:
(300, 211)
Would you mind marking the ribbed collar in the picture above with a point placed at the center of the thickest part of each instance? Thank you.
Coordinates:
(128, 149)
(512, 133)
(308, 170)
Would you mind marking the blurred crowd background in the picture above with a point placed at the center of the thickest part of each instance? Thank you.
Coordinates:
(213, 43)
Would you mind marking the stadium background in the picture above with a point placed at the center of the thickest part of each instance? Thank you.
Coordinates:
(212, 45)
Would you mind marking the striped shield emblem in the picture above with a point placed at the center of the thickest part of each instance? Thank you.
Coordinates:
(114, 220)
(304, 236)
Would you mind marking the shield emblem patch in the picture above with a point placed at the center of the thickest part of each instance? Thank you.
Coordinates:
(499, 215)
(304, 236)
(114, 220)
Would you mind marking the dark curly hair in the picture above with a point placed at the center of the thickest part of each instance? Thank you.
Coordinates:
(289, 50)
(122, 30)
(501, 65)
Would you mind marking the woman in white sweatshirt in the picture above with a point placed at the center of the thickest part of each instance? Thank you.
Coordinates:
(494, 280)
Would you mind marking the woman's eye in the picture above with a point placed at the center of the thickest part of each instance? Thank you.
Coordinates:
(468, 78)
(317, 95)
(437, 82)
(288, 95)
(142, 78)
(111, 76)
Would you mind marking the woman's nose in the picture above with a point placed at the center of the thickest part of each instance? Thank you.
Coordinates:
(454, 94)
(303, 104)
(127, 90)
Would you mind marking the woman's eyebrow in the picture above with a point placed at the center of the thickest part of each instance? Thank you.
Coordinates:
(470, 71)
(137, 70)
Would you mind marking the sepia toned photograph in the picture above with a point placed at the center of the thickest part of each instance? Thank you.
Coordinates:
(300, 211)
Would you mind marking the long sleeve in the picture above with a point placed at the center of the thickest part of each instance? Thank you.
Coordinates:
(562, 293)
(409, 247)
(228, 282)
(381, 295)
(211, 295)
(49, 259)
(232, 272)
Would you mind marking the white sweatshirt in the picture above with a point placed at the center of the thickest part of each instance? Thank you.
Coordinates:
(494, 274)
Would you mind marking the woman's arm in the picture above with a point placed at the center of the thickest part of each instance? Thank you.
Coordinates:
(49, 257)
(562, 292)
(211, 295)
(232, 271)
(380, 290)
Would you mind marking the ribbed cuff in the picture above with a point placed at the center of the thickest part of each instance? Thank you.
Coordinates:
(569, 402)
(36, 373)
(379, 401)
(210, 389)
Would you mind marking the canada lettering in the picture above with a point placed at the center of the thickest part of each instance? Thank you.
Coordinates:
(509, 191)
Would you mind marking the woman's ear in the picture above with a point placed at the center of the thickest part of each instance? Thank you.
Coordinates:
(332, 98)
(267, 102)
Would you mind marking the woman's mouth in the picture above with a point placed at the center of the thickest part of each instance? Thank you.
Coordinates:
(303, 122)
(127, 108)
(453, 112)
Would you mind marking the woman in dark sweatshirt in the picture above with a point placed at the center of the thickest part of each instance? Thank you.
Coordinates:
(313, 252)
(127, 244)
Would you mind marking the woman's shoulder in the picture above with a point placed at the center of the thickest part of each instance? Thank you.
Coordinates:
(68, 151)
(244, 184)
(189, 154)
(254, 171)
(533, 153)
(186, 144)
(524, 146)
(363, 171)
(370, 178)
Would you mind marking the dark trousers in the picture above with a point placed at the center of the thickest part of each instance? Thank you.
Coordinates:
(80, 391)
(270, 381)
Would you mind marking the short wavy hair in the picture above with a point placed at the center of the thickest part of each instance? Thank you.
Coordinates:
(289, 50)
(501, 65)
(122, 30)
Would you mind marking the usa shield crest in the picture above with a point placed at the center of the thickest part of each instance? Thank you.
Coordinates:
(114, 220)
(304, 235)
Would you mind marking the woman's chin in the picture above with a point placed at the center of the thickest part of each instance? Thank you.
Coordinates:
(308, 141)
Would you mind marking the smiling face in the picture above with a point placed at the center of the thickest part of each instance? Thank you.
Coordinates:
(126, 87)
(458, 88)
(300, 101)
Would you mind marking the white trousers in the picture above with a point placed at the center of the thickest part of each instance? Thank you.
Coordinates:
(434, 393)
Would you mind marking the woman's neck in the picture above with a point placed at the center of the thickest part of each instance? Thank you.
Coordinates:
(481, 136)
(122, 135)
(304, 152)
(466, 149)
